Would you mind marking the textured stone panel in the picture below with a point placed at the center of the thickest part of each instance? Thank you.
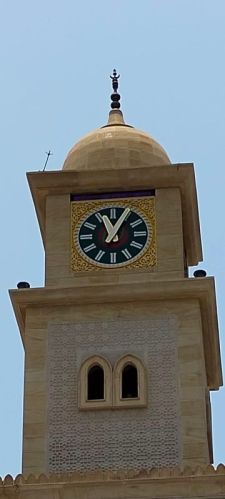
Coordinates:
(113, 439)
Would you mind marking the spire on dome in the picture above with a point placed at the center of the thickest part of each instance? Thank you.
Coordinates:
(115, 115)
(115, 97)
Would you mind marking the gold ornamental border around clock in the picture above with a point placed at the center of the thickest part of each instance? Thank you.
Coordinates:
(80, 209)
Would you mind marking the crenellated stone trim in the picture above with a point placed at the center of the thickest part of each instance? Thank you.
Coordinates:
(113, 476)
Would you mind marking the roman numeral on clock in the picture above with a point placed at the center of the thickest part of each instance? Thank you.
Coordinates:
(112, 257)
(90, 226)
(140, 233)
(86, 236)
(126, 253)
(98, 216)
(136, 222)
(136, 245)
(89, 248)
(112, 213)
(99, 255)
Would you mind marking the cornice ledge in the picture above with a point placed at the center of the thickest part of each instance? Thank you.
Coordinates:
(135, 289)
(106, 289)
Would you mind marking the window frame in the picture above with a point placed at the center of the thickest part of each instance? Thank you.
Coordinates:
(83, 402)
(141, 400)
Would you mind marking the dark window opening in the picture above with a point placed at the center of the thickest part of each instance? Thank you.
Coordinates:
(129, 382)
(96, 383)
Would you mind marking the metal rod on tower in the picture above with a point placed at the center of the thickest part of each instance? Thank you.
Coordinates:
(49, 153)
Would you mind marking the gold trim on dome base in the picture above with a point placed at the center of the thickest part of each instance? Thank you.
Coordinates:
(144, 205)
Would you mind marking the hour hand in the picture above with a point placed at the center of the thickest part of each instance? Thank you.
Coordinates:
(117, 225)
(109, 227)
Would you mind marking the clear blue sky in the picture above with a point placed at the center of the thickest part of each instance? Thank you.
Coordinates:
(55, 61)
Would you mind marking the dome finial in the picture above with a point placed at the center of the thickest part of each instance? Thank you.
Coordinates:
(115, 97)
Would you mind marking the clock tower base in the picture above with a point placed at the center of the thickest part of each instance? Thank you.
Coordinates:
(171, 326)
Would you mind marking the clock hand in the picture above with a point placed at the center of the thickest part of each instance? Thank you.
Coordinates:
(109, 227)
(117, 225)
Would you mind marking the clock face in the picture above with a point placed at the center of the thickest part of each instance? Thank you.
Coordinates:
(113, 236)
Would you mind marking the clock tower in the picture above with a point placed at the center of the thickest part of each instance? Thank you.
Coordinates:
(121, 345)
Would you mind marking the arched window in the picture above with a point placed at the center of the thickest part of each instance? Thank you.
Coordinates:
(95, 384)
(129, 382)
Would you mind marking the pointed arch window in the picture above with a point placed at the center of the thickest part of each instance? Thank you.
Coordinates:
(95, 383)
(129, 382)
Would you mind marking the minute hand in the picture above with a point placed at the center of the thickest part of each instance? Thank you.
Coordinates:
(117, 225)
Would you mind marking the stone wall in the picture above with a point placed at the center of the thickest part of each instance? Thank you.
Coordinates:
(113, 439)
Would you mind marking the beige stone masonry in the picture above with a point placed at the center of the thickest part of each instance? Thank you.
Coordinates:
(192, 301)
(200, 482)
(131, 287)
(169, 231)
(150, 316)
(179, 176)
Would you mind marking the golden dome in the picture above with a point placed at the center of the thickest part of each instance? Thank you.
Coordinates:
(114, 146)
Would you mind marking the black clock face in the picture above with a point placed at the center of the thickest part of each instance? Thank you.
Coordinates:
(113, 236)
